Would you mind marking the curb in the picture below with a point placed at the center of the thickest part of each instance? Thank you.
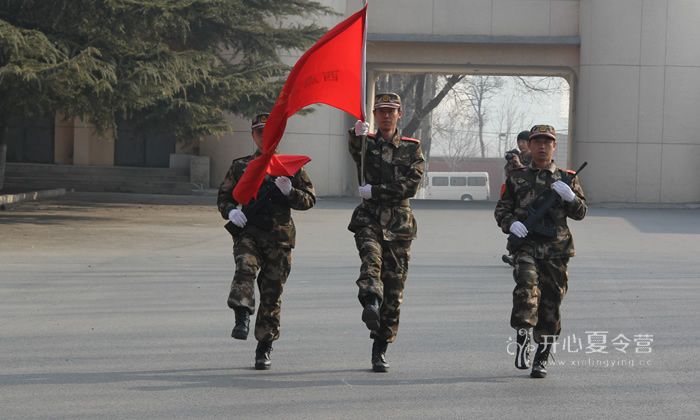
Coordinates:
(30, 196)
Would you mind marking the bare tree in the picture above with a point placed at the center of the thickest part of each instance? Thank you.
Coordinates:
(469, 100)
(479, 89)
(421, 94)
(454, 134)
(547, 85)
(511, 119)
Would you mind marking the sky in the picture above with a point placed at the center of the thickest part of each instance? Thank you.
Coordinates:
(528, 109)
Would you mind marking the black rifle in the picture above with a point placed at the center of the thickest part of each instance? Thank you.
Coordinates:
(538, 211)
(259, 213)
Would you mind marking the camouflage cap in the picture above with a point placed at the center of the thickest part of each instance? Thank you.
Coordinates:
(387, 100)
(259, 121)
(543, 130)
(523, 135)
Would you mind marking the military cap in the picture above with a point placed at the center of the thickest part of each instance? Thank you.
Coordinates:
(523, 135)
(543, 130)
(259, 121)
(387, 100)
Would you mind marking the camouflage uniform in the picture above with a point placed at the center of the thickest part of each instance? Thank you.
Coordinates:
(540, 272)
(384, 225)
(270, 252)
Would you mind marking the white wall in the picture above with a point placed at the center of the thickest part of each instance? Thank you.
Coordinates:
(636, 85)
(638, 95)
(473, 17)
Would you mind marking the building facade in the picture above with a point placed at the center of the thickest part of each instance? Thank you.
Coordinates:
(633, 67)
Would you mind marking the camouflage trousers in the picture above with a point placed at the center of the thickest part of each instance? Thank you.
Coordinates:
(540, 286)
(273, 264)
(383, 275)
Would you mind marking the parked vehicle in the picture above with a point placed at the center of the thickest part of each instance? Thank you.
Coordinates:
(465, 186)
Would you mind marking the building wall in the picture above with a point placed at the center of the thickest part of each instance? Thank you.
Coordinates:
(473, 17)
(639, 90)
(633, 66)
(322, 134)
(63, 140)
(91, 147)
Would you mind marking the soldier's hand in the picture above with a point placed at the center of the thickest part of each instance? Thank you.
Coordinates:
(284, 184)
(365, 191)
(564, 191)
(361, 128)
(512, 153)
(518, 229)
(237, 218)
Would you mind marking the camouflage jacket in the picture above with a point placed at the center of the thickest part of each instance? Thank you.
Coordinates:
(518, 160)
(394, 168)
(283, 233)
(522, 190)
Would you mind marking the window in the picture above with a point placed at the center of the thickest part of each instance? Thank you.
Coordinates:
(458, 181)
(477, 181)
(440, 181)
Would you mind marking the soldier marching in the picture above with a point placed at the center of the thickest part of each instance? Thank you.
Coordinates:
(263, 238)
(542, 252)
(390, 168)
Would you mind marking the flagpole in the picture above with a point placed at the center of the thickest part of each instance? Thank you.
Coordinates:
(364, 97)
(364, 66)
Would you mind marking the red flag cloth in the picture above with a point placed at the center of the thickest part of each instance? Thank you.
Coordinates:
(332, 73)
(286, 165)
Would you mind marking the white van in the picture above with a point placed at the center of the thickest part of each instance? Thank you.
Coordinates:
(464, 186)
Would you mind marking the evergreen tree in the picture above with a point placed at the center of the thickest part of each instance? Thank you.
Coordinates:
(182, 63)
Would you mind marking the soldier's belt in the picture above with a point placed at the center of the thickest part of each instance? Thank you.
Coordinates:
(385, 203)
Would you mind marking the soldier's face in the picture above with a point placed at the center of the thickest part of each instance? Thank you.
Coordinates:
(522, 145)
(542, 149)
(387, 118)
(258, 137)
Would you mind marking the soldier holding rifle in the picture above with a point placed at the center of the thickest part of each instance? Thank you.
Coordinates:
(534, 209)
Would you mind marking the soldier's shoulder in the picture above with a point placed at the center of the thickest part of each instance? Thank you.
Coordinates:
(410, 139)
(243, 159)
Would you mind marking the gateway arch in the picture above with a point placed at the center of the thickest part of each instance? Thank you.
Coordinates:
(633, 67)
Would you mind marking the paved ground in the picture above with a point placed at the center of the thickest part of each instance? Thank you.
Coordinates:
(114, 307)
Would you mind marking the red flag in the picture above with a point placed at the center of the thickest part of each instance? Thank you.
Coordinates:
(286, 165)
(332, 72)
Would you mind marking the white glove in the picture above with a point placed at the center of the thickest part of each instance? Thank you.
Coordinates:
(564, 191)
(237, 218)
(284, 184)
(518, 229)
(361, 128)
(366, 191)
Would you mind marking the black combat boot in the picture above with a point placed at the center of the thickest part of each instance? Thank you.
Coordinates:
(262, 355)
(370, 315)
(522, 351)
(379, 363)
(240, 330)
(539, 365)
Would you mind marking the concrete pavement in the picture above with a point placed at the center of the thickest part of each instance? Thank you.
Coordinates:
(115, 307)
